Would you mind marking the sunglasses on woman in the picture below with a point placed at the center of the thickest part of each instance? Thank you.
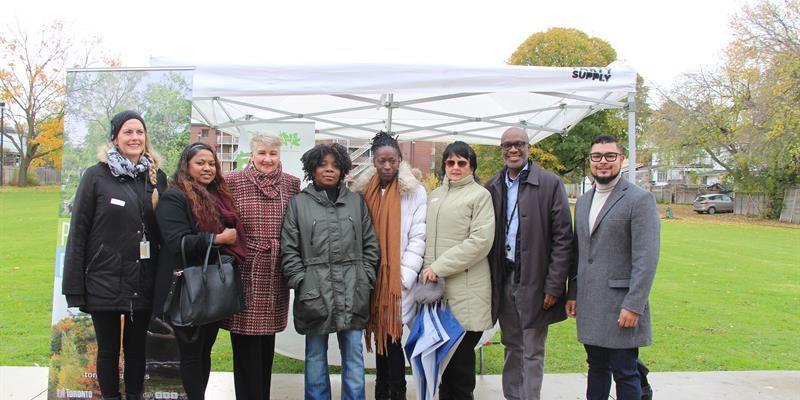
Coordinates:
(452, 163)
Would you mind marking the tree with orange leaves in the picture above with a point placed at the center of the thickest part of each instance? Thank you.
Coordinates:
(50, 139)
(32, 84)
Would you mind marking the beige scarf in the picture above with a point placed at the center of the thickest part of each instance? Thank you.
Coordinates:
(387, 306)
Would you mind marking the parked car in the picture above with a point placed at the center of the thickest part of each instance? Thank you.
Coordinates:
(713, 203)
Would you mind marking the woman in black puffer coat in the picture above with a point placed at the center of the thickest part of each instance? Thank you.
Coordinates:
(111, 253)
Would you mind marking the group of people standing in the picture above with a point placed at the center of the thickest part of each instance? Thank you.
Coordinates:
(353, 255)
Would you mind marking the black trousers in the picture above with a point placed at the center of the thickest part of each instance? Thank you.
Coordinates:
(107, 328)
(622, 364)
(390, 368)
(195, 353)
(458, 380)
(252, 365)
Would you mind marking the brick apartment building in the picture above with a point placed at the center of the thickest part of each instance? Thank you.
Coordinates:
(422, 155)
(223, 142)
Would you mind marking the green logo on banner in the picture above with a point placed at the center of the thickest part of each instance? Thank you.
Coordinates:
(290, 139)
(242, 159)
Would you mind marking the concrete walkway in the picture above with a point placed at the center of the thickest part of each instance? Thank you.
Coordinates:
(31, 383)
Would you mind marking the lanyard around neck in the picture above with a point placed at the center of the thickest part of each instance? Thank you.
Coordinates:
(138, 200)
(511, 216)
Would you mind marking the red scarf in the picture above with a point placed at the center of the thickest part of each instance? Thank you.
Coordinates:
(230, 219)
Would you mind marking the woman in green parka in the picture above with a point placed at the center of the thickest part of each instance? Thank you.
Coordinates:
(329, 256)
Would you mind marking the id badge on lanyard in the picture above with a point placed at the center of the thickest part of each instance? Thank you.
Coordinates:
(144, 244)
(144, 248)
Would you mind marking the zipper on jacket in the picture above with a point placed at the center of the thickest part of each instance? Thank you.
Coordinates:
(313, 225)
(436, 229)
(94, 258)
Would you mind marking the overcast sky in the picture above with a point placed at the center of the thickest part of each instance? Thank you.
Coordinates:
(660, 39)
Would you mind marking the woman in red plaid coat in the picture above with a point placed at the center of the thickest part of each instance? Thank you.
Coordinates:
(261, 192)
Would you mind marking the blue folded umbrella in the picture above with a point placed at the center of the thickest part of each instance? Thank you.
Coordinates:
(415, 333)
(430, 364)
(423, 337)
(454, 331)
(435, 335)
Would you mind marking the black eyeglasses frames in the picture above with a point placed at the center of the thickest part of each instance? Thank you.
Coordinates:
(610, 157)
(519, 145)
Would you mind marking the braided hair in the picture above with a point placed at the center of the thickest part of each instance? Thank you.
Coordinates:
(382, 139)
(152, 173)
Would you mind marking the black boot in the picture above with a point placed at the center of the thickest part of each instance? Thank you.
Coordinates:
(398, 392)
(137, 396)
(382, 391)
(647, 391)
(115, 397)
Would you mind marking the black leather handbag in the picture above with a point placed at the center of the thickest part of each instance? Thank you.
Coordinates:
(203, 294)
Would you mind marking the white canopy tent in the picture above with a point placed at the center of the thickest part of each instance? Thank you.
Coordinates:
(418, 102)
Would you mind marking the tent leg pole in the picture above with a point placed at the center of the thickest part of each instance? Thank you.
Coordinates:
(583, 178)
(481, 361)
(632, 137)
(389, 109)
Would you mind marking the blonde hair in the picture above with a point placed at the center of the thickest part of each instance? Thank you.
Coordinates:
(265, 139)
(153, 156)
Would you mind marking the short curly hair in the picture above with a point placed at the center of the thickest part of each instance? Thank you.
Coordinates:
(313, 158)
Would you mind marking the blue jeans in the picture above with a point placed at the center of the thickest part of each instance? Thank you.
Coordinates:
(621, 363)
(317, 380)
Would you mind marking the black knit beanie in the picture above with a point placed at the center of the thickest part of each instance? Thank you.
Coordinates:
(119, 120)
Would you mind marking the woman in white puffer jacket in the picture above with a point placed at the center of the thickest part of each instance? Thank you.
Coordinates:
(397, 203)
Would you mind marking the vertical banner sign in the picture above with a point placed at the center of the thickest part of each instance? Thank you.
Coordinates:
(163, 97)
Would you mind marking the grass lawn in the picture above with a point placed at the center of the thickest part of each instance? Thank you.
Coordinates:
(27, 254)
(726, 296)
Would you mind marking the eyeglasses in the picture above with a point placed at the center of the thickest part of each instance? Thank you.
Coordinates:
(519, 145)
(452, 163)
(610, 157)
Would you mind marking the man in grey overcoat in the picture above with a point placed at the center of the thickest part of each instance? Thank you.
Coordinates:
(617, 237)
(530, 261)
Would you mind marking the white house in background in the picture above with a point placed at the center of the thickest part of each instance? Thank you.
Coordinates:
(702, 171)
(12, 157)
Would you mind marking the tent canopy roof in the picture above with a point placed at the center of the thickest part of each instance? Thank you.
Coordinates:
(418, 102)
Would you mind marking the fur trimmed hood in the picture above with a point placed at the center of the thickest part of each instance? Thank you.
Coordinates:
(406, 177)
(102, 152)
